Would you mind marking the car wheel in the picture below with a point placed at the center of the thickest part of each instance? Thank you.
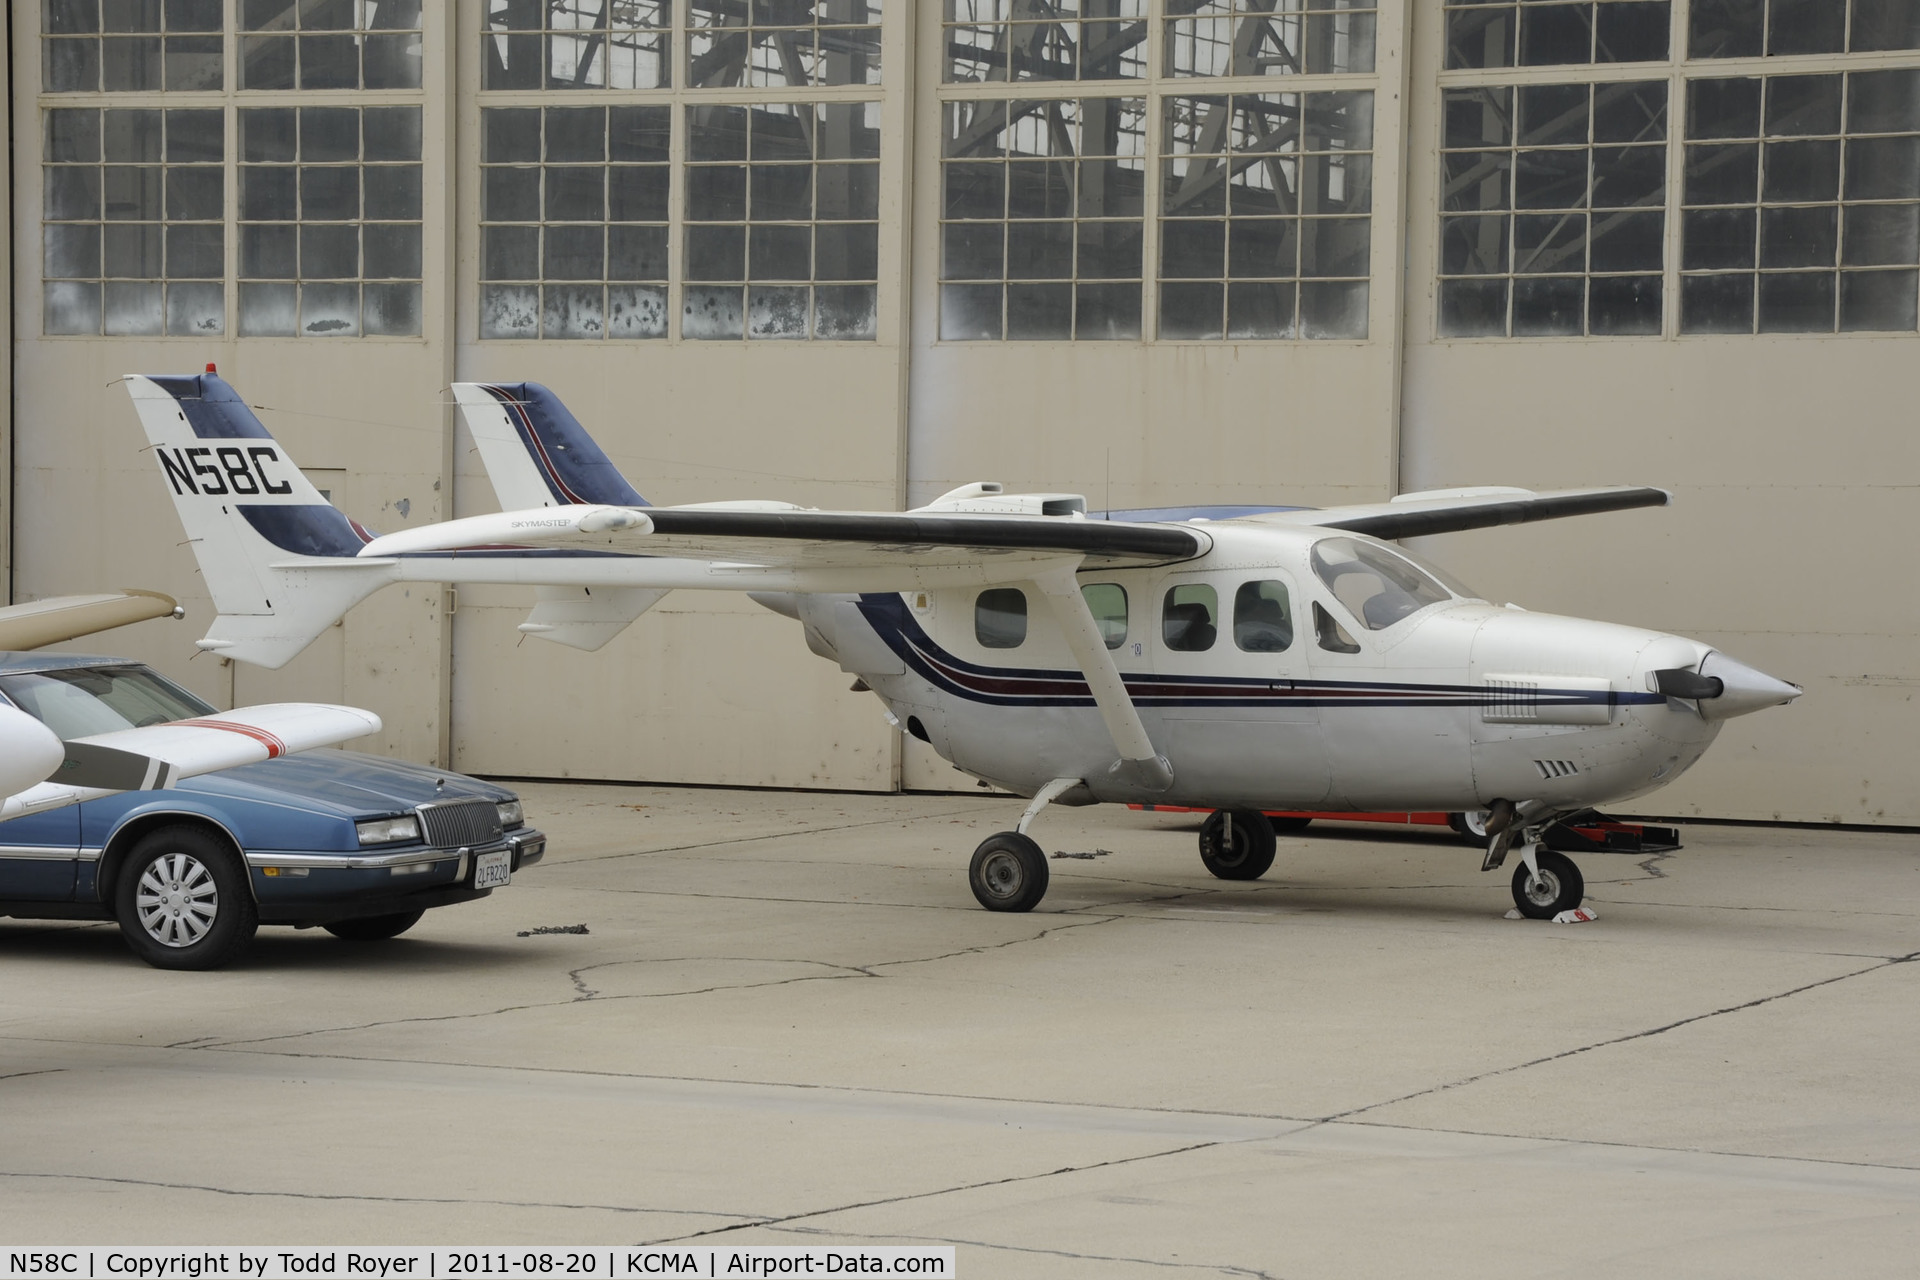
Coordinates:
(374, 928)
(182, 900)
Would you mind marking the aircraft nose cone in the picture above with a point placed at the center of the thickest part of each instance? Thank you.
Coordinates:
(1743, 688)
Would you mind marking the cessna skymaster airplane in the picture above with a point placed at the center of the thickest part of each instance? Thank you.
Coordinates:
(1234, 659)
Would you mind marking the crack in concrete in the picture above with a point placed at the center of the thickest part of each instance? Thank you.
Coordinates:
(1625, 1039)
(742, 1219)
(1010, 1180)
(584, 994)
(588, 993)
(44, 1071)
(1214, 1268)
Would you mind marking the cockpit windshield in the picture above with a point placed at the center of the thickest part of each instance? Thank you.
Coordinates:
(1376, 585)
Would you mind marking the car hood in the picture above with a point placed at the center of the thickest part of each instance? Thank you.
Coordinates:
(347, 782)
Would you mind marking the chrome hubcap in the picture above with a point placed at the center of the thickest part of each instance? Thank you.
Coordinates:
(1543, 888)
(176, 900)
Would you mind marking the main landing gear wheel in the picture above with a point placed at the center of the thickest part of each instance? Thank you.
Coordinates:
(1559, 887)
(1009, 873)
(1237, 844)
(1471, 827)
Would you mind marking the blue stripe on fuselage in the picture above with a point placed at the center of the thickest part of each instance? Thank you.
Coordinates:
(1030, 687)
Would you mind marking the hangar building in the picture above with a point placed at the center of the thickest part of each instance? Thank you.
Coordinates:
(854, 253)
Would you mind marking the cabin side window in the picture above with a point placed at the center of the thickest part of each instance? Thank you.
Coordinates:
(1187, 619)
(1000, 618)
(1107, 602)
(1332, 636)
(1262, 617)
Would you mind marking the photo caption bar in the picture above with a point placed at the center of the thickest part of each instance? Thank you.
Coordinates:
(583, 1262)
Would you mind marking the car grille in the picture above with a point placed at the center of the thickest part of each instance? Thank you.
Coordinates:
(450, 823)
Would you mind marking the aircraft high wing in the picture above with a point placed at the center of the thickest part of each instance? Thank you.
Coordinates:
(41, 772)
(57, 618)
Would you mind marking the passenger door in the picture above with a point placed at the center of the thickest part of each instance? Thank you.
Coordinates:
(1229, 658)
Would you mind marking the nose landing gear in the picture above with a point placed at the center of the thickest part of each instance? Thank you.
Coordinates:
(1549, 886)
(1237, 844)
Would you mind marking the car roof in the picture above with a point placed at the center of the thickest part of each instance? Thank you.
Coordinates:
(13, 663)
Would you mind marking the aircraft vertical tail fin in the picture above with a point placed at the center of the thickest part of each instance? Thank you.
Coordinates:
(536, 452)
(278, 558)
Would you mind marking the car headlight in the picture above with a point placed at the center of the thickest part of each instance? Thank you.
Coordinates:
(388, 830)
(511, 815)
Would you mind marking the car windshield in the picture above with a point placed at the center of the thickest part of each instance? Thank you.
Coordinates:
(1377, 586)
(81, 701)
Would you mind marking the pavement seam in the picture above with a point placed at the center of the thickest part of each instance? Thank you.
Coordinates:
(1216, 1268)
(1010, 1180)
(746, 1218)
(1625, 1039)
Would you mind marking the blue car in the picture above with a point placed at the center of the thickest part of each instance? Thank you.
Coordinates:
(358, 845)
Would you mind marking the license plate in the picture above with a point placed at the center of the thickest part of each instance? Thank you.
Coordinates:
(492, 870)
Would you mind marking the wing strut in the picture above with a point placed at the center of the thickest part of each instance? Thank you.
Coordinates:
(1139, 762)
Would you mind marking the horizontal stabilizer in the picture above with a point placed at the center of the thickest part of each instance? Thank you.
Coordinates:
(1415, 515)
(587, 617)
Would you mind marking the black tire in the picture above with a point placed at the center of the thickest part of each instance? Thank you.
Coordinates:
(374, 928)
(1245, 855)
(182, 900)
(1287, 826)
(1464, 825)
(1008, 873)
(1561, 887)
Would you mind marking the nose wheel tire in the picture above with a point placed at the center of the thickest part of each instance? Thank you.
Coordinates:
(1237, 844)
(1559, 886)
(1008, 873)
(182, 900)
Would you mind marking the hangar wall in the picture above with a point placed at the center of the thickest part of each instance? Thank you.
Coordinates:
(1356, 355)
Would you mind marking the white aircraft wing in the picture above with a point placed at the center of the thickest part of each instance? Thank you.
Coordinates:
(39, 622)
(777, 536)
(157, 756)
(1413, 515)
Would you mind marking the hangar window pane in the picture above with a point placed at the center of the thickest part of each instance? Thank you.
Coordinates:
(1266, 229)
(330, 221)
(1753, 28)
(1107, 601)
(1065, 40)
(1000, 618)
(1540, 33)
(329, 44)
(782, 221)
(133, 240)
(1042, 219)
(1553, 209)
(783, 44)
(121, 46)
(573, 209)
(1189, 617)
(1801, 204)
(1265, 38)
(577, 44)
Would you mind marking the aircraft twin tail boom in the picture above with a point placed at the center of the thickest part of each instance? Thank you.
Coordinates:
(1237, 659)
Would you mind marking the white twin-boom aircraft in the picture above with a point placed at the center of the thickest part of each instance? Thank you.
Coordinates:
(1239, 660)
